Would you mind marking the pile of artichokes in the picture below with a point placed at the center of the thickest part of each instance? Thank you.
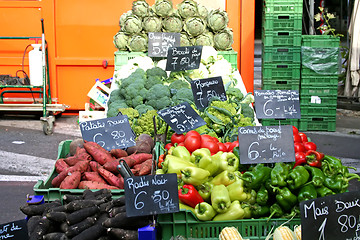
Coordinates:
(197, 25)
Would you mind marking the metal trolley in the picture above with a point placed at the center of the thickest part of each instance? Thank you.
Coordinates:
(43, 104)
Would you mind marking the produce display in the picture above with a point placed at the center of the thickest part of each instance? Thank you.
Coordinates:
(197, 25)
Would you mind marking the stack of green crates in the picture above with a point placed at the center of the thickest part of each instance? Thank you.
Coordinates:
(281, 49)
(319, 81)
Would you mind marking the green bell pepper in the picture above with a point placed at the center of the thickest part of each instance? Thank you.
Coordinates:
(207, 163)
(262, 196)
(285, 198)
(295, 212)
(276, 211)
(174, 164)
(186, 207)
(236, 191)
(204, 211)
(159, 171)
(194, 175)
(317, 175)
(234, 212)
(307, 192)
(205, 190)
(242, 167)
(297, 177)
(251, 197)
(220, 199)
(225, 177)
(258, 211)
(199, 154)
(247, 209)
(256, 177)
(181, 152)
(226, 161)
(279, 174)
(324, 191)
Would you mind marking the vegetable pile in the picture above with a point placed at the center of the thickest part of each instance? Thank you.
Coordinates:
(92, 215)
(197, 25)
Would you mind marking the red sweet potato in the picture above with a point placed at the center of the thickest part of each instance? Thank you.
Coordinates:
(71, 181)
(80, 166)
(97, 152)
(59, 178)
(94, 185)
(60, 165)
(94, 166)
(118, 153)
(138, 158)
(71, 161)
(144, 168)
(82, 154)
(93, 176)
(112, 165)
(109, 177)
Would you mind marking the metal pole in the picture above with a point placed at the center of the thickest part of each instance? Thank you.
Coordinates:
(311, 17)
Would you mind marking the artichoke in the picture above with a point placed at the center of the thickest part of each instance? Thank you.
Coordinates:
(204, 39)
(120, 41)
(138, 43)
(217, 20)
(188, 8)
(123, 17)
(140, 8)
(203, 11)
(132, 24)
(194, 26)
(185, 40)
(152, 24)
(172, 23)
(223, 40)
(163, 8)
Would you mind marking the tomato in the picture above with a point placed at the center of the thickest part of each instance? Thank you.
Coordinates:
(310, 146)
(227, 144)
(168, 146)
(222, 147)
(206, 137)
(192, 143)
(211, 145)
(181, 144)
(297, 138)
(192, 133)
(303, 136)
(215, 139)
(299, 147)
(177, 138)
(295, 130)
(232, 145)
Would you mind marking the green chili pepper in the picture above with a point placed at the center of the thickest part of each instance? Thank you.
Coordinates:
(279, 174)
(297, 177)
(317, 175)
(276, 211)
(236, 191)
(256, 177)
(247, 210)
(225, 177)
(258, 211)
(199, 154)
(220, 199)
(205, 190)
(307, 192)
(262, 196)
(204, 211)
(226, 161)
(181, 152)
(251, 199)
(234, 212)
(340, 183)
(207, 163)
(324, 191)
(295, 212)
(331, 166)
(285, 198)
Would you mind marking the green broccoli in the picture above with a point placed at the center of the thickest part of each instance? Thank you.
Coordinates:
(138, 75)
(114, 96)
(158, 96)
(247, 111)
(234, 94)
(151, 81)
(134, 92)
(183, 95)
(143, 108)
(178, 84)
(157, 72)
(113, 109)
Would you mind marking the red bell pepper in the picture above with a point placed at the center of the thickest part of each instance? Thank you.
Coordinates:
(300, 159)
(313, 158)
(189, 195)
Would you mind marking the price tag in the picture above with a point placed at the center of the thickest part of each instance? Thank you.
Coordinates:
(278, 104)
(160, 42)
(266, 144)
(109, 133)
(151, 194)
(14, 230)
(205, 89)
(183, 58)
(331, 217)
(181, 118)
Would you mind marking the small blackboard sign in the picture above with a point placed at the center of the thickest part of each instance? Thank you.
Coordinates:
(183, 58)
(331, 217)
(181, 118)
(160, 42)
(151, 194)
(278, 104)
(14, 230)
(109, 133)
(205, 89)
(266, 144)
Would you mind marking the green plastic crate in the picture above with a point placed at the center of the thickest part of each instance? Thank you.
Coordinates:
(319, 80)
(326, 91)
(281, 54)
(230, 56)
(122, 57)
(282, 22)
(275, 122)
(316, 123)
(280, 71)
(320, 41)
(283, 6)
(277, 84)
(318, 101)
(185, 224)
(311, 111)
(281, 38)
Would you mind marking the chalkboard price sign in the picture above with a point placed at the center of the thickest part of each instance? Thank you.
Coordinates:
(331, 217)
(109, 133)
(160, 42)
(181, 118)
(205, 89)
(278, 104)
(151, 194)
(14, 230)
(266, 144)
(183, 58)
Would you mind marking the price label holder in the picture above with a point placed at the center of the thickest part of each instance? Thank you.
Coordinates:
(183, 58)
(151, 194)
(266, 144)
(204, 89)
(160, 42)
(331, 217)
(181, 118)
(277, 104)
(109, 133)
(14, 230)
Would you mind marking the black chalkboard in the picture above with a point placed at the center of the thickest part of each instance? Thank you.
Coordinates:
(151, 194)
(205, 89)
(160, 42)
(278, 104)
(332, 217)
(109, 133)
(14, 230)
(266, 144)
(181, 118)
(183, 58)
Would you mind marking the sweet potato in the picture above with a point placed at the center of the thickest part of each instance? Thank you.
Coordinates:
(94, 165)
(144, 168)
(93, 176)
(118, 153)
(83, 154)
(80, 166)
(95, 185)
(71, 161)
(71, 181)
(61, 165)
(59, 178)
(109, 177)
(97, 152)
(112, 165)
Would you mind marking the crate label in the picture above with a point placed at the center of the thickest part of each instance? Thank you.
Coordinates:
(160, 42)
(183, 58)
(204, 89)
(315, 100)
(331, 217)
(14, 230)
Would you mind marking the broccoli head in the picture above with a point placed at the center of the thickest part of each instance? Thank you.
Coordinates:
(114, 107)
(152, 80)
(143, 108)
(156, 72)
(158, 96)
(234, 94)
(138, 75)
(183, 95)
(178, 84)
(114, 96)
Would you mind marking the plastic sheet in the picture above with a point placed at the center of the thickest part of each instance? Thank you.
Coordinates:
(323, 61)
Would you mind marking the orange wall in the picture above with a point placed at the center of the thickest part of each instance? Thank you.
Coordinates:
(79, 36)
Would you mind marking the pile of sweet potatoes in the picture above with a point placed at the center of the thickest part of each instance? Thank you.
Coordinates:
(93, 167)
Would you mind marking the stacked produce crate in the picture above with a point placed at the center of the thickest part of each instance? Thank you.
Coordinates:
(281, 50)
(319, 79)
